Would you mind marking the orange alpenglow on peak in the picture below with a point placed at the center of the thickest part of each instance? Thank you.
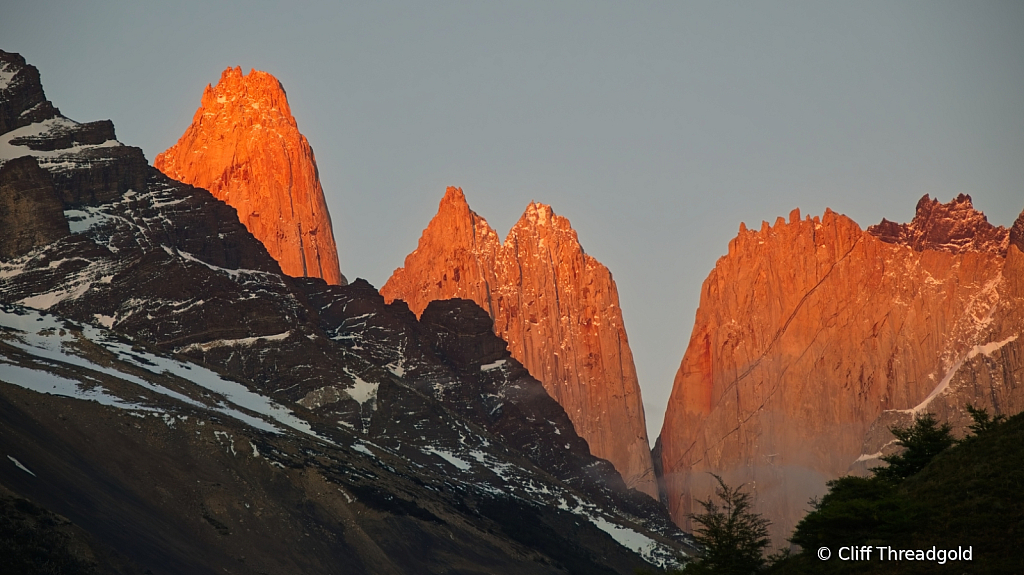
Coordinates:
(557, 308)
(245, 148)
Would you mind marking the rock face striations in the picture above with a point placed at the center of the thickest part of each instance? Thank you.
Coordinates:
(812, 337)
(245, 148)
(557, 308)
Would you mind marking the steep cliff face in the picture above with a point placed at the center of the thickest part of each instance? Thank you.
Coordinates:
(557, 308)
(31, 213)
(813, 336)
(245, 147)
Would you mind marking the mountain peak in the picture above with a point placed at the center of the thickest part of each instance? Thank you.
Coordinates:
(539, 214)
(555, 306)
(258, 93)
(22, 101)
(951, 227)
(1017, 232)
(244, 146)
(453, 195)
(454, 205)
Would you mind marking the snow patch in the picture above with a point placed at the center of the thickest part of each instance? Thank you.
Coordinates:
(362, 391)
(45, 382)
(9, 151)
(630, 539)
(83, 220)
(10, 269)
(490, 366)
(989, 348)
(876, 455)
(50, 299)
(7, 72)
(988, 296)
(72, 287)
(245, 341)
(42, 340)
(652, 551)
(363, 449)
(20, 466)
(234, 274)
(397, 367)
(450, 458)
(104, 320)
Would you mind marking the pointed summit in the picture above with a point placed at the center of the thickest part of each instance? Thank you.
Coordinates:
(454, 196)
(557, 308)
(245, 148)
(457, 244)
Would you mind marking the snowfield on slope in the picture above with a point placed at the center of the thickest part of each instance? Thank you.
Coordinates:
(51, 338)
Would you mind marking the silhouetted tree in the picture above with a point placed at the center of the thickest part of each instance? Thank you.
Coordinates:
(923, 441)
(734, 537)
(983, 422)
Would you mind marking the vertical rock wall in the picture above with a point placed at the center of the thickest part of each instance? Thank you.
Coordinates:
(245, 147)
(557, 308)
(31, 213)
(813, 336)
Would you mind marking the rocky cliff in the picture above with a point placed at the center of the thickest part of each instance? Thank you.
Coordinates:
(31, 213)
(245, 148)
(557, 308)
(813, 336)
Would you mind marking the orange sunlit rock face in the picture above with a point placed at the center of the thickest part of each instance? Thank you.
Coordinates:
(245, 147)
(814, 336)
(557, 308)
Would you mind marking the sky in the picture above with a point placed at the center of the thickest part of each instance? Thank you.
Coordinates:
(655, 127)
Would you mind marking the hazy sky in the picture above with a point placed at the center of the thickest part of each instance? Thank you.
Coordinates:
(656, 128)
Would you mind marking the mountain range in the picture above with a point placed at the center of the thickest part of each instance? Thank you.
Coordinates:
(172, 393)
(191, 384)
(556, 307)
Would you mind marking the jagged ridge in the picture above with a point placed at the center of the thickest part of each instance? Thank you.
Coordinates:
(954, 227)
(813, 336)
(556, 306)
